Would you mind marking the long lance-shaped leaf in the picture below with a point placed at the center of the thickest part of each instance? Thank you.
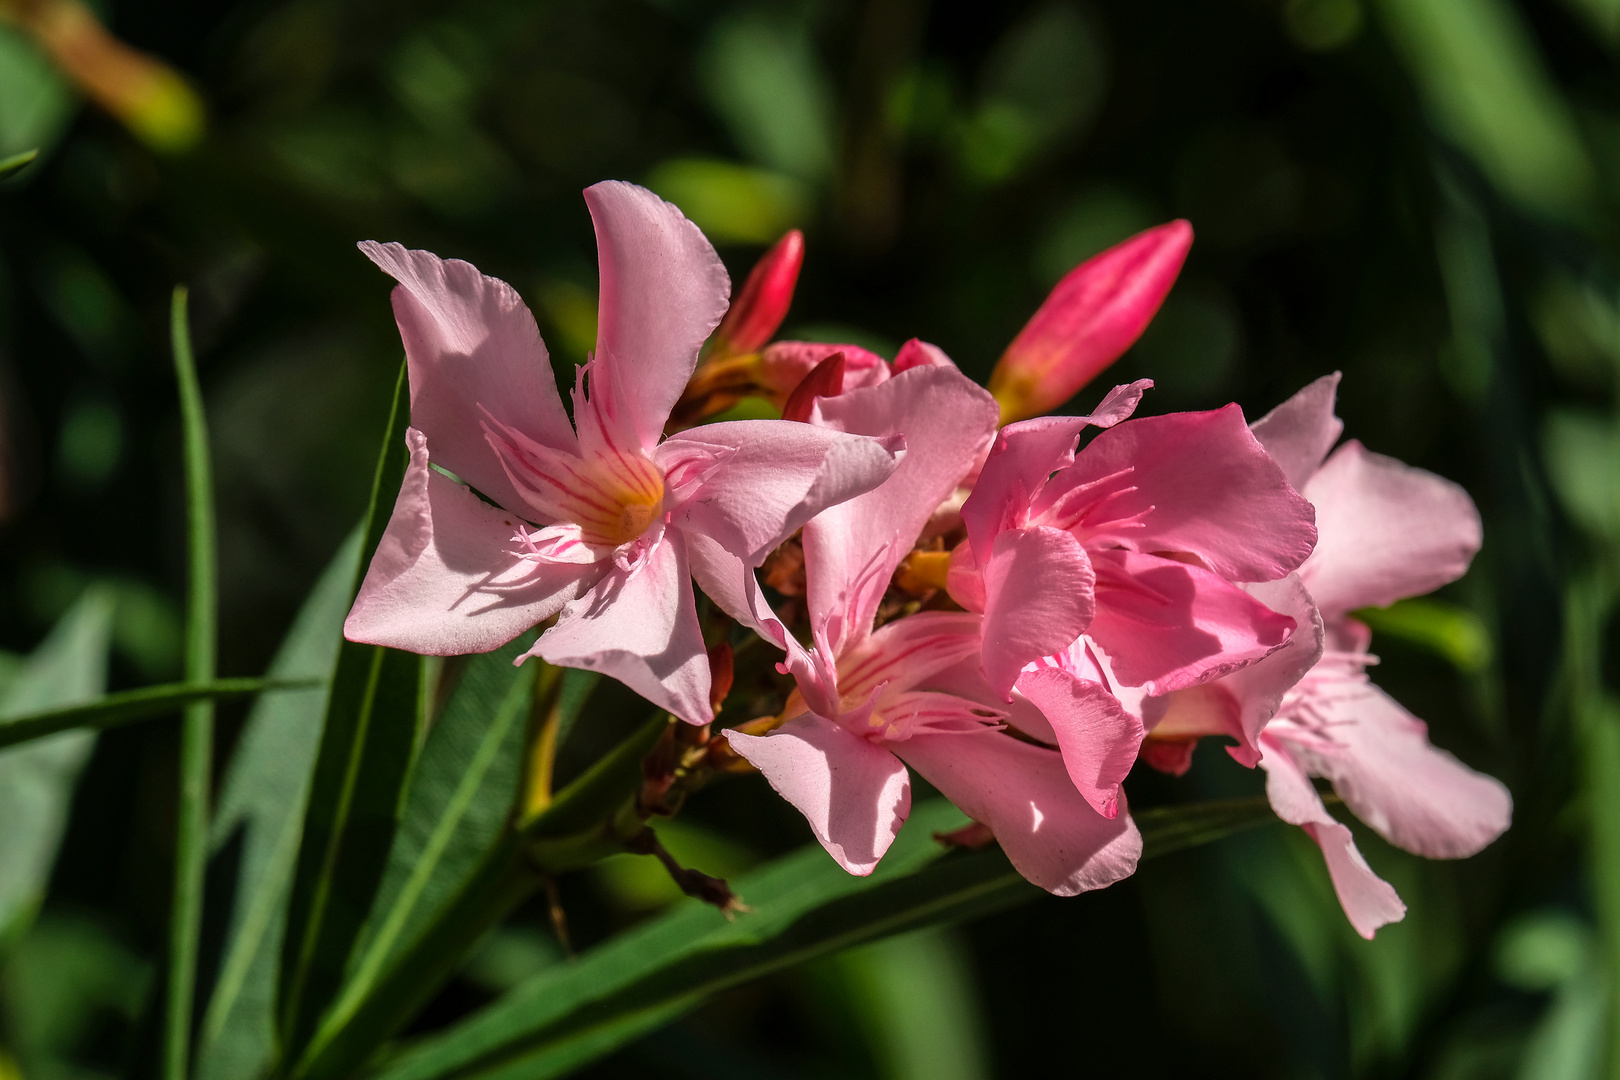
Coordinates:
(368, 740)
(803, 906)
(259, 818)
(16, 162)
(575, 829)
(36, 781)
(197, 731)
(127, 706)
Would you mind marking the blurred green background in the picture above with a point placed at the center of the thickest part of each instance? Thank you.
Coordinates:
(1420, 193)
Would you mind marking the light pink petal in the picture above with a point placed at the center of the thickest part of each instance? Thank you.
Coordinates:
(852, 549)
(1024, 794)
(773, 477)
(1119, 403)
(730, 583)
(640, 626)
(1193, 482)
(447, 578)
(784, 364)
(1368, 900)
(471, 345)
(1038, 598)
(1413, 794)
(908, 652)
(1097, 737)
(1387, 531)
(915, 353)
(1243, 702)
(1299, 433)
(663, 290)
(854, 793)
(1167, 625)
(967, 681)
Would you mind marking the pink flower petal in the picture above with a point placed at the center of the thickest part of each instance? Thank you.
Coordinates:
(1038, 599)
(1299, 433)
(1368, 900)
(1024, 794)
(915, 353)
(1414, 795)
(854, 793)
(1167, 625)
(447, 578)
(663, 290)
(640, 626)
(784, 364)
(775, 476)
(907, 652)
(852, 549)
(1241, 704)
(471, 345)
(1092, 316)
(1387, 531)
(1193, 482)
(1098, 738)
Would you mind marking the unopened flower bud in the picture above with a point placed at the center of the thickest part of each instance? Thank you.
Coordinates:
(763, 302)
(1093, 315)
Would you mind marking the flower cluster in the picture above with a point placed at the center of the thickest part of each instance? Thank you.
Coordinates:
(1017, 606)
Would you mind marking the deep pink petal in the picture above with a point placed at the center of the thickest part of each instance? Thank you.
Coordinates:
(640, 626)
(774, 477)
(1092, 316)
(1167, 625)
(1193, 482)
(1021, 459)
(854, 793)
(1299, 433)
(1097, 737)
(1024, 794)
(1368, 900)
(1038, 598)
(447, 579)
(1413, 794)
(1387, 531)
(852, 549)
(471, 346)
(1241, 704)
(663, 290)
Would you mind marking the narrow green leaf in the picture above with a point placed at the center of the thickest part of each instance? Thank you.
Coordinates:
(803, 906)
(197, 732)
(571, 831)
(459, 803)
(15, 162)
(261, 807)
(127, 706)
(368, 740)
(36, 781)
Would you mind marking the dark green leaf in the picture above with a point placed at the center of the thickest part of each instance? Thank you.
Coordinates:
(36, 782)
(127, 706)
(197, 731)
(368, 740)
(459, 803)
(803, 906)
(262, 805)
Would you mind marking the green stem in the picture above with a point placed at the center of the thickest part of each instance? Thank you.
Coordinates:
(197, 734)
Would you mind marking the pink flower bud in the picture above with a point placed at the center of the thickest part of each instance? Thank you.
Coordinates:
(763, 302)
(1094, 314)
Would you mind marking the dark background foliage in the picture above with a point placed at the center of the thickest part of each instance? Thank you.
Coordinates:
(1415, 192)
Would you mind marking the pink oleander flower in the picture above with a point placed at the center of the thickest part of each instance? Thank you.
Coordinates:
(1386, 532)
(1126, 558)
(870, 703)
(592, 521)
(1090, 318)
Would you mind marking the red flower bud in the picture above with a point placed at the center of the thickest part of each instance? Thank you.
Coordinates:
(763, 302)
(826, 379)
(1094, 314)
